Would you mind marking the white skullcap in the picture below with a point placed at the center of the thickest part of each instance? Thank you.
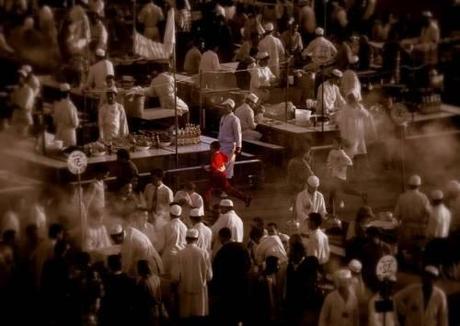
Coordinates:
(22, 73)
(427, 14)
(116, 229)
(313, 181)
(453, 186)
(27, 69)
(437, 194)
(337, 73)
(195, 212)
(342, 274)
(229, 102)
(355, 266)
(319, 31)
(226, 203)
(262, 55)
(430, 269)
(100, 52)
(354, 59)
(252, 97)
(415, 180)
(269, 27)
(175, 210)
(112, 89)
(192, 234)
(64, 87)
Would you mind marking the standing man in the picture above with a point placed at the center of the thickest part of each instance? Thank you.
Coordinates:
(230, 136)
(172, 238)
(328, 96)
(317, 243)
(99, 71)
(423, 304)
(66, 117)
(246, 114)
(205, 234)
(228, 219)
(158, 197)
(189, 199)
(274, 47)
(310, 200)
(321, 51)
(440, 217)
(150, 15)
(112, 118)
(32, 80)
(192, 271)
(23, 102)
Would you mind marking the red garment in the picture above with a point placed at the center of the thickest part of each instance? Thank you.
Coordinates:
(218, 162)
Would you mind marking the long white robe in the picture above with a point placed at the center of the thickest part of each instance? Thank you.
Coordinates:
(275, 49)
(439, 222)
(270, 245)
(332, 98)
(159, 208)
(205, 236)
(307, 203)
(412, 209)
(248, 125)
(317, 245)
(410, 304)
(192, 201)
(97, 75)
(232, 221)
(137, 246)
(336, 311)
(112, 121)
(97, 238)
(192, 270)
(171, 241)
(66, 121)
(230, 137)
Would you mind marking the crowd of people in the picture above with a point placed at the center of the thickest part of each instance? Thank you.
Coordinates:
(142, 254)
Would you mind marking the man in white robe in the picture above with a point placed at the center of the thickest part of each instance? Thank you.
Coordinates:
(245, 112)
(228, 219)
(274, 47)
(230, 136)
(66, 118)
(139, 221)
(192, 271)
(262, 77)
(329, 98)
(310, 200)
(172, 238)
(158, 197)
(98, 72)
(270, 245)
(440, 217)
(96, 237)
(112, 118)
(317, 243)
(321, 51)
(204, 233)
(189, 199)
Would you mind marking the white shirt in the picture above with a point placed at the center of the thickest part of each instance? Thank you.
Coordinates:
(413, 207)
(351, 84)
(335, 311)
(275, 49)
(95, 195)
(172, 240)
(260, 77)
(163, 87)
(149, 230)
(66, 120)
(232, 221)
(205, 236)
(333, 99)
(307, 203)
(164, 197)
(246, 115)
(353, 122)
(112, 121)
(321, 50)
(209, 62)
(439, 222)
(230, 130)
(193, 200)
(270, 245)
(97, 74)
(317, 245)
(337, 163)
(97, 238)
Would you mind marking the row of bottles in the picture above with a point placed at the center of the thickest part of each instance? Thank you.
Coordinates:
(189, 135)
(431, 99)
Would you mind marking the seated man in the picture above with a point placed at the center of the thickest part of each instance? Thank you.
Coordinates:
(262, 77)
(245, 113)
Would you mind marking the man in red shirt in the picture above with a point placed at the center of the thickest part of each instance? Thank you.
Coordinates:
(218, 177)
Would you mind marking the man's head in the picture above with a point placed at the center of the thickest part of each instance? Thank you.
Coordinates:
(355, 267)
(437, 197)
(225, 235)
(141, 215)
(190, 187)
(195, 215)
(117, 233)
(110, 95)
(336, 76)
(293, 26)
(228, 106)
(415, 181)
(64, 89)
(99, 54)
(430, 275)
(269, 28)
(252, 100)
(319, 32)
(192, 236)
(314, 221)
(175, 211)
(272, 229)
(312, 183)
(157, 176)
(225, 206)
(127, 82)
(342, 279)
(427, 17)
(123, 155)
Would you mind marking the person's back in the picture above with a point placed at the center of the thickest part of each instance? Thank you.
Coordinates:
(192, 61)
(231, 265)
(116, 305)
(412, 207)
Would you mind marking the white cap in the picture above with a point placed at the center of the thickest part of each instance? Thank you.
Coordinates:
(229, 102)
(195, 212)
(192, 234)
(313, 181)
(430, 269)
(100, 52)
(22, 73)
(415, 180)
(342, 274)
(354, 59)
(337, 73)
(437, 194)
(453, 186)
(252, 97)
(175, 210)
(355, 266)
(112, 89)
(226, 203)
(427, 14)
(64, 87)
(269, 27)
(116, 229)
(319, 31)
(262, 55)
(27, 69)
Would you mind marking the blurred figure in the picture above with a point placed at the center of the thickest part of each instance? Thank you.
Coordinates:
(299, 169)
(148, 302)
(150, 15)
(270, 245)
(310, 200)
(262, 77)
(193, 57)
(321, 51)
(246, 114)
(189, 199)
(204, 233)
(96, 79)
(139, 220)
(124, 169)
(317, 243)
(329, 97)
(112, 119)
(23, 102)
(65, 117)
(97, 237)
(95, 193)
(158, 197)
(274, 47)
(292, 40)
(440, 217)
